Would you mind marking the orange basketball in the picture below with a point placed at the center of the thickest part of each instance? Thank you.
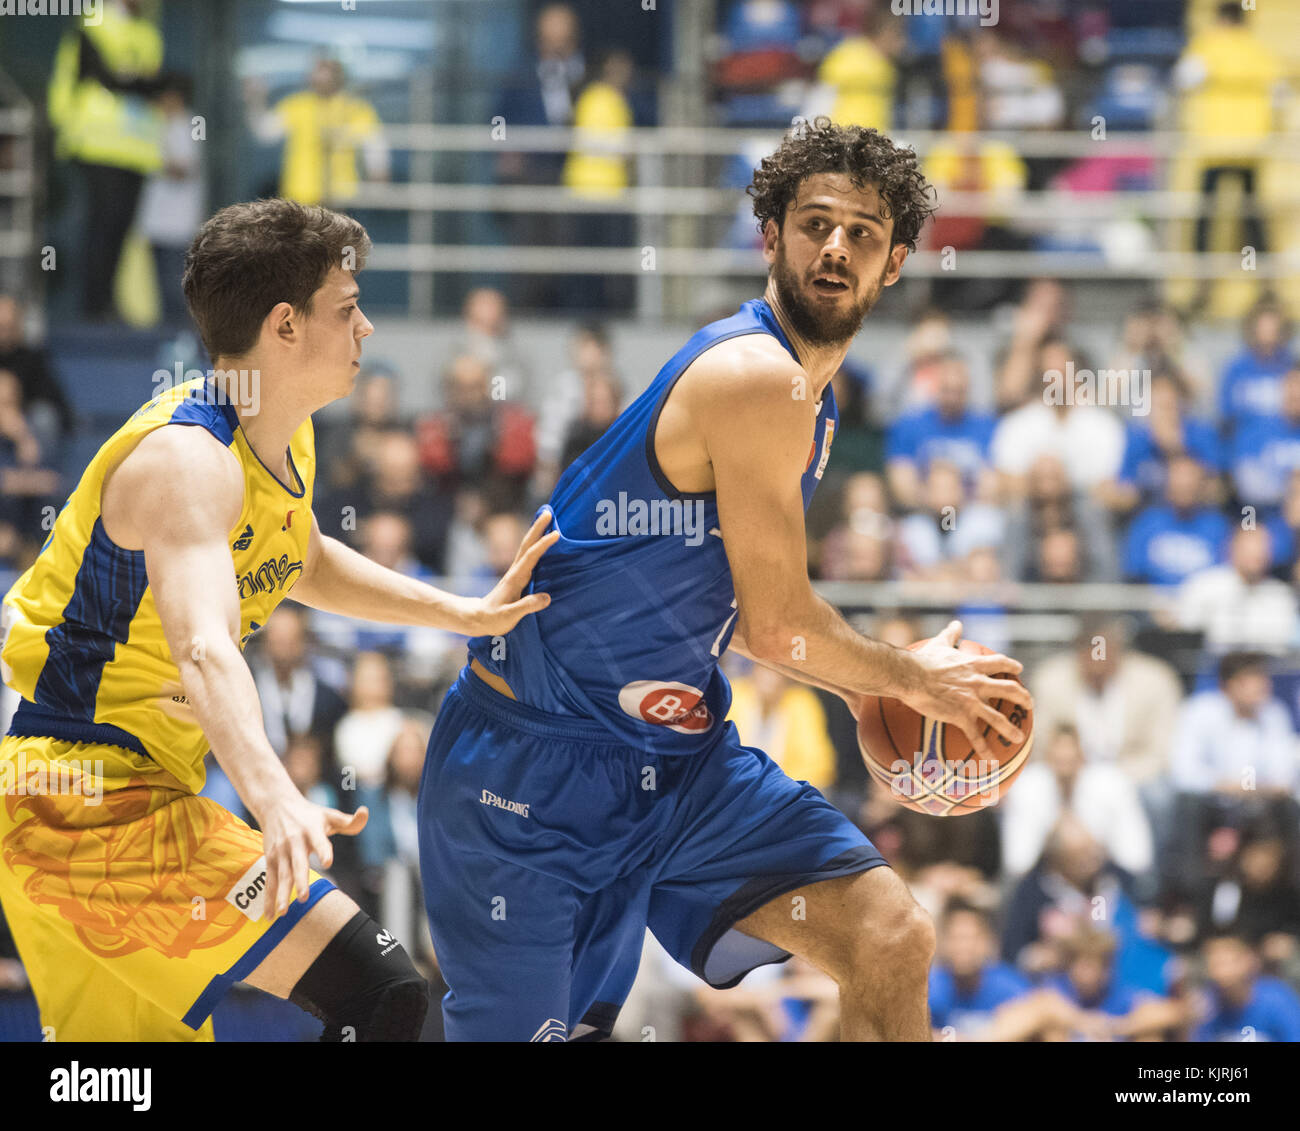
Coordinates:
(928, 765)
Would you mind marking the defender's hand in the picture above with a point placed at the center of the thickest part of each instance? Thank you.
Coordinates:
(503, 608)
(291, 831)
(960, 687)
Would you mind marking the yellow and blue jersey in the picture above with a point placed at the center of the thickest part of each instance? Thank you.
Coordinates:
(84, 645)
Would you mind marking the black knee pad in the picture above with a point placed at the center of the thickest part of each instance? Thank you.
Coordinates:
(364, 987)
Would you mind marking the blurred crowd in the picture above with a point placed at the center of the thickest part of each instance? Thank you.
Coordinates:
(1220, 74)
(1141, 878)
(1211, 71)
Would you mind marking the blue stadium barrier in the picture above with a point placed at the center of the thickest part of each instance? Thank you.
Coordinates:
(20, 1020)
(1154, 43)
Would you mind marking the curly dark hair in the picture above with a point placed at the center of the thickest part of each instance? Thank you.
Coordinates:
(867, 156)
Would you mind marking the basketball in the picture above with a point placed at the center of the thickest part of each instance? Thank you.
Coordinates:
(929, 765)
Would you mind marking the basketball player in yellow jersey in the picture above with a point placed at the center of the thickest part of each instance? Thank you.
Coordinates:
(134, 902)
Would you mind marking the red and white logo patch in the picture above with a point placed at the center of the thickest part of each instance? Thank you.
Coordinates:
(678, 706)
(826, 449)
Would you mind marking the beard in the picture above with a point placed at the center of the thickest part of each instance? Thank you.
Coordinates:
(817, 325)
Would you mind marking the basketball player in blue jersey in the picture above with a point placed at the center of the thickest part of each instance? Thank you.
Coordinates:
(582, 782)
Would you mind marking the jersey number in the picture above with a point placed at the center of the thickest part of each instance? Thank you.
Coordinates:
(726, 625)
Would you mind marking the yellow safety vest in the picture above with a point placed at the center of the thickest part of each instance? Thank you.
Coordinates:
(97, 125)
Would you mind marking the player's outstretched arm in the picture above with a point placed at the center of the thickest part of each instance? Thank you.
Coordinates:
(336, 579)
(175, 497)
(757, 416)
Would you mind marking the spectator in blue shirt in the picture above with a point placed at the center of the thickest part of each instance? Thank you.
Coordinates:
(1093, 983)
(949, 430)
(1266, 449)
(1089, 979)
(1169, 541)
(967, 983)
(935, 540)
(1251, 384)
(1089, 1000)
(1244, 1004)
(1151, 441)
(1283, 525)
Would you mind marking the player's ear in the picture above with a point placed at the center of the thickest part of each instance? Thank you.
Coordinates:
(282, 322)
(896, 256)
(771, 236)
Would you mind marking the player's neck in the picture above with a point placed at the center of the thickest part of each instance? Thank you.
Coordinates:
(820, 362)
(269, 416)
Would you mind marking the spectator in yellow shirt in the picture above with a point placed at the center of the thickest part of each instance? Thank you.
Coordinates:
(323, 128)
(960, 164)
(601, 115)
(861, 72)
(786, 719)
(1230, 81)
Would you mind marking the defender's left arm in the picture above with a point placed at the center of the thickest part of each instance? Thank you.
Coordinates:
(337, 579)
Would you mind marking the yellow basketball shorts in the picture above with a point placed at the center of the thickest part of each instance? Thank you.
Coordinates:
(134, 903)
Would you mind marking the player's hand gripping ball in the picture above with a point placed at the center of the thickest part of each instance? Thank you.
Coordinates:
(930, 766)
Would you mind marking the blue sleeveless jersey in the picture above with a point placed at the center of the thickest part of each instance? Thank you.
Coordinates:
(642, 598)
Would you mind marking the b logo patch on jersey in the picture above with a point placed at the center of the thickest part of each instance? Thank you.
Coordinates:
(677, 706)
(245, 539)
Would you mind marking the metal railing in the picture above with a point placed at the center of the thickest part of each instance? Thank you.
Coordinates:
(713, 141)
(669, 217)
(1030, 612)
(1040, 597)
(18, 243)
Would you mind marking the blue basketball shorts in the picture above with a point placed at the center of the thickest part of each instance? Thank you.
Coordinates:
(547, 848)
